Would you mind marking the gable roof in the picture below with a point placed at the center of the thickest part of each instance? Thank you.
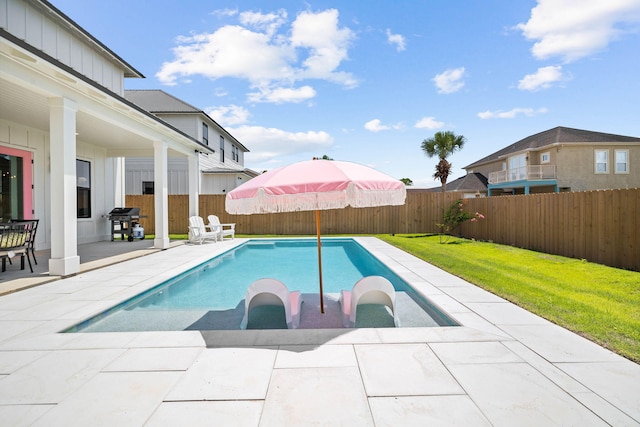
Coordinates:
(157, 101)
(470, 183)
(557, 135)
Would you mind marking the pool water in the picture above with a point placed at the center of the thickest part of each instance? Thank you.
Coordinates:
(210, 296)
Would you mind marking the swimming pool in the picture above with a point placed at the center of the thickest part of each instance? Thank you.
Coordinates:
(210, 296)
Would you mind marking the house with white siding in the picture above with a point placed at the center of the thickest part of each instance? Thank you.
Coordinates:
(66, 130)
(221, 171)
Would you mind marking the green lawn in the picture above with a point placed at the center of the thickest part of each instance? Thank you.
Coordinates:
(600, 303)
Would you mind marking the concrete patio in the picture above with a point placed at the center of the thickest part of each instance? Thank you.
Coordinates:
(504, 366)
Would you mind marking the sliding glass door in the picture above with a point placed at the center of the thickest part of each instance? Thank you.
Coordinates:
(15, 184)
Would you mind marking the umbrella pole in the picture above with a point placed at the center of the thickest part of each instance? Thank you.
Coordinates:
(319, 259)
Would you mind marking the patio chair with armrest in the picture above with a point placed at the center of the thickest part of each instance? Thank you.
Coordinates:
(31, 228)
(198, 232)
(14, 240)
(223, 230)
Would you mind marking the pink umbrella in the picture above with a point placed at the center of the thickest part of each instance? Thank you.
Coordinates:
(315, 185)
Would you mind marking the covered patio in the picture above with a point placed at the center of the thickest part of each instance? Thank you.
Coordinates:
(92, 256)
(65, 132)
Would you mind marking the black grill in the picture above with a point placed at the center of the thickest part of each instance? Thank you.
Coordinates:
(126, 219)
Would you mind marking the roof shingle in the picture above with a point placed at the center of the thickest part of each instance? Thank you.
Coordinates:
(557, 135)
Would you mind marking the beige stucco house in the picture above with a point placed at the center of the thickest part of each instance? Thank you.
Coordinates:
(66, 128)
(562, 159)
(221, 171)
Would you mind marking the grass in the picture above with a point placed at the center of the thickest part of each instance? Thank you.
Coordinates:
(598, 302)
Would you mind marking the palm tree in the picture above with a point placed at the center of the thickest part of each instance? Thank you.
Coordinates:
(443, 144)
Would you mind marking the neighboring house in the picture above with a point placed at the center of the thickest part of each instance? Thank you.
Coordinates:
(470, 185)
(65, 128)
(562, 159)
(222, 171)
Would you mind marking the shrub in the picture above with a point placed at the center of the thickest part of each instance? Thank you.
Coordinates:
(454, 216)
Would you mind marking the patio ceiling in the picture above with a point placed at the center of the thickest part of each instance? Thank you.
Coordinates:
(28, 81)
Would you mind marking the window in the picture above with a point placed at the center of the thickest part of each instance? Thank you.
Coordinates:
(147, 187)
(517, 167)
(83, 176)
(602, 161)
(235, 156)
(205, 134)
(622, 161)
(545, 157)
(222, 148)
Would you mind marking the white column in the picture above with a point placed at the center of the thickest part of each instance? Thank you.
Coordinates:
(64, 224)
(120, 188)
(161, 194)
(194, 184)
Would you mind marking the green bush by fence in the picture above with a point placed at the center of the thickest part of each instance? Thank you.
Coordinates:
(599, 226)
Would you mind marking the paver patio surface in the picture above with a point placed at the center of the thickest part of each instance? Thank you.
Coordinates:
(502, 367)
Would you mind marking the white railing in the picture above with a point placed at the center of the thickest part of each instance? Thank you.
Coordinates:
(533, 172)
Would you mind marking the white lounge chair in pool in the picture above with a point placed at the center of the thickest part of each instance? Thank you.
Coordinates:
(223, 230)
(273, 292)
(368, 290)
(198, 232)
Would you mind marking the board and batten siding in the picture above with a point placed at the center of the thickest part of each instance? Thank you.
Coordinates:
(63, 43)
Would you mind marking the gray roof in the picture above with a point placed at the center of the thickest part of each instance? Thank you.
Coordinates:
(224, 171)
(557, 135)
(159, 101)
(470, 183)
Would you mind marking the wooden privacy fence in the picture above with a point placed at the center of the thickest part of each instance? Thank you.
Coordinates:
(599, 226)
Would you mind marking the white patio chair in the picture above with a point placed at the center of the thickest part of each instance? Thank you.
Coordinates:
(223, 230)
(368, 290)
(198, 232)
(273, 292)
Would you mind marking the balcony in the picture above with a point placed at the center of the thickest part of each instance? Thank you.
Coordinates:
(525, 173)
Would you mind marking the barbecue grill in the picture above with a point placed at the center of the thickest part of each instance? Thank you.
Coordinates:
(126, 219)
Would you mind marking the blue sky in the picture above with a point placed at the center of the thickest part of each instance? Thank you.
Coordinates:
(368, 81)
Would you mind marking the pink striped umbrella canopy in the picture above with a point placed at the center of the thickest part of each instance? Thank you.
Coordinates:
(316, 185)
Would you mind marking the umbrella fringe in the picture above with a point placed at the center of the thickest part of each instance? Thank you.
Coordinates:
(355, 197)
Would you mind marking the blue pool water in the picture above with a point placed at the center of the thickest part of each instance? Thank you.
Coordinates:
(216, 289)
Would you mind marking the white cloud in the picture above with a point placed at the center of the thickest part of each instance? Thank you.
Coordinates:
(225, 12)
(328, 45)
(376, 125)
(511, 114)
(542, 79)
(396, 39)
(229, 115)
(281, 95)
(450, 80)
(267, 53)
(268, 22)
(271, 144)
(232, 51)
(573, 29)
(428, 123)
